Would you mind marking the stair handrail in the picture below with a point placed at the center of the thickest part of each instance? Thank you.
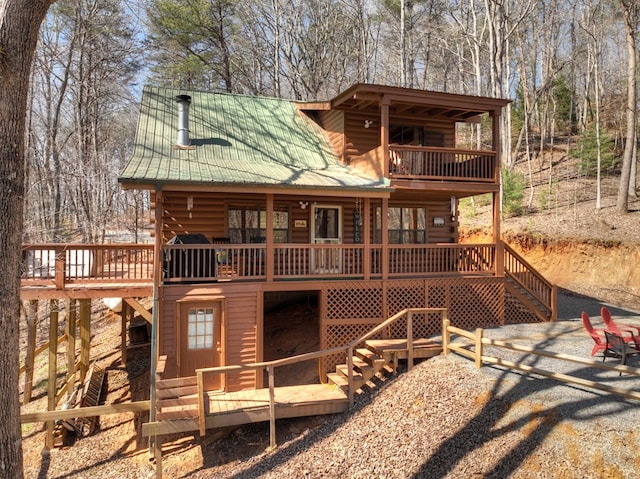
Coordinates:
(545, 292)
(271, 365)
(400, 314)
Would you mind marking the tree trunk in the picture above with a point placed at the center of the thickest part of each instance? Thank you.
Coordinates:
(19, 24)
(629, 11)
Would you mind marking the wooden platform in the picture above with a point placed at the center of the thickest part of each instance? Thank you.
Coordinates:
(422, 348)
(249, 406)
(88, 290)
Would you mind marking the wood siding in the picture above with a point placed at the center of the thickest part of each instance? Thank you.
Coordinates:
(362, 145)
(209, 214)
(332, 122)
(242, 320)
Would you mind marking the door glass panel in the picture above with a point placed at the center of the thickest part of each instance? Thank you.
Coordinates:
(200, 328)
(326, 223)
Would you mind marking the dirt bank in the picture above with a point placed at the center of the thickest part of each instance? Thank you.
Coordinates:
(605, 270)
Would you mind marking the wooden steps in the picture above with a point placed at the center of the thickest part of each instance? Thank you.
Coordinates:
(422, 348)
(377, 355)
(177, 399)
(91, 394)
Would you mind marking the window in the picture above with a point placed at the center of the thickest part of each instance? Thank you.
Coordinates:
(406, 135)
(200, 328)
(414, 135)
(406, 225)
(246, 225)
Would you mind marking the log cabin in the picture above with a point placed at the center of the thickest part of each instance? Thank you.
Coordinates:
(352, 202)
(349, 204)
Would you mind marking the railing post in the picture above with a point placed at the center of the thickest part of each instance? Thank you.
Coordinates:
(479, 347)
(60, 267)
(202, 420)
(446, 338)
(409, 340)
(272, 407)
(350, 375)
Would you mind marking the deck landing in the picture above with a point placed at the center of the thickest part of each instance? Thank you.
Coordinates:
(249, 406)
(422, 347)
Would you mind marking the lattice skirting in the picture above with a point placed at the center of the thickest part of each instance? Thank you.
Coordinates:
(348, 310)
(516, 312)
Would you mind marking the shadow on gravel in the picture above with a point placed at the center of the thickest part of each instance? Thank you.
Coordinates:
(492, 421)
(484, 427)
(294, 436)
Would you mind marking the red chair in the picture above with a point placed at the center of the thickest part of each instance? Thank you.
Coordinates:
(596, 333)
(628, 332)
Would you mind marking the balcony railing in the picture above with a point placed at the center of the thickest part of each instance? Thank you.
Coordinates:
(185, 263)
(444, 164)
(63, 264)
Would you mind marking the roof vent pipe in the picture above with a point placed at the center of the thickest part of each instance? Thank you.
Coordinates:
(183, 119)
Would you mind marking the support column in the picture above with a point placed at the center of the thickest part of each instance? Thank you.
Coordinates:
(126, 314)
(53, 366)
(384, 254)
(366, 235)
(384, 134)
(31, 316)
(71, 341)
(269, 240)
(85, 337)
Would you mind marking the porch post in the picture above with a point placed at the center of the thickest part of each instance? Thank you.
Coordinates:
(269, 237)
(155, 442)
(85, 337)
(53, 366)
(31, 314)
(384, 256)
(497, 196)
(366, 234)
(384, 134)
(497, 203)
(71, 341)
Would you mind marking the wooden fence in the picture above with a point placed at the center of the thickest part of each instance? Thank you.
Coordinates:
(478, 342)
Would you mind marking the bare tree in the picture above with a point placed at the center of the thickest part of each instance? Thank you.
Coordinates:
(504, 18)
(81, 122)
(50, 127)
(19, 24)
(631, 15)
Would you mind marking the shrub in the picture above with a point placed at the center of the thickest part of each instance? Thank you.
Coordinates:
(587, 151)
(512, 192)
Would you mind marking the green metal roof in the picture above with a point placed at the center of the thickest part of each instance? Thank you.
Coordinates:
(237, 140)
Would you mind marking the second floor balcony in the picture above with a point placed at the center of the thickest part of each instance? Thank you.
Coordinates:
(442, 164)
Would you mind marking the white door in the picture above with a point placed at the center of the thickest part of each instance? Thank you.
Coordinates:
(326, 229)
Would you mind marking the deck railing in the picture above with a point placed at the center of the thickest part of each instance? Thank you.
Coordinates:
(44, 264)
(306, 261)
(63, 264)
(527, 278)
(444, 164)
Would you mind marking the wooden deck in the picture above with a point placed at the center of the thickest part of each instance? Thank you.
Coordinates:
(248, 406)
(89, 290)
(422, 348)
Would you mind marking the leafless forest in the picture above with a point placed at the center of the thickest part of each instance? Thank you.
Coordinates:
(564, 64)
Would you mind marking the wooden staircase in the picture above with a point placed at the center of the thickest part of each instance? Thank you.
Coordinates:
(537, 296)
(378, 355)
(177, 399)
(184, 404)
